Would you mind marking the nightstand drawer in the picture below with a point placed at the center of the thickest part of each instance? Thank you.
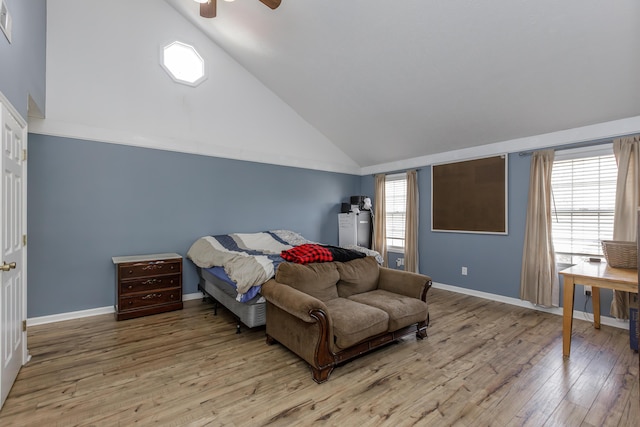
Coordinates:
(149, 268)
(149, 284)
(152, 298)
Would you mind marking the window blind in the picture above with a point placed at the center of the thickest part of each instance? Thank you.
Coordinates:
(396, 205)
(583, 203)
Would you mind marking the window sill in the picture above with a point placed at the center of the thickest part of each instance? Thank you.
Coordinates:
(395, 250)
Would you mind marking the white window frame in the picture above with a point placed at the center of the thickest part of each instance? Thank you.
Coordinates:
(575, 154)
(189, 69)
(391, 247)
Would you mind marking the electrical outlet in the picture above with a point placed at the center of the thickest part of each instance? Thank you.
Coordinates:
(464, 271)
(587, 290)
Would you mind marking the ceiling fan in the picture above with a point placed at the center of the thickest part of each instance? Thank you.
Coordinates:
(208, 7)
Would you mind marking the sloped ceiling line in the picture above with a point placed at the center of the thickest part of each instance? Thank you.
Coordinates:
(354, 87)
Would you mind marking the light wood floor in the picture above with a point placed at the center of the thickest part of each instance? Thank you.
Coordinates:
(483, 364)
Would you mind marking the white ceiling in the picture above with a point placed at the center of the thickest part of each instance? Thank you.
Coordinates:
(387, 80)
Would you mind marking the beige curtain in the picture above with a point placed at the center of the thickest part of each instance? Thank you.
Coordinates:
(624, 219)
(539, 282)
(380, 218)
(411, 259)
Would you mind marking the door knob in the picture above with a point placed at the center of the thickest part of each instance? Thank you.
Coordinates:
(7, 267)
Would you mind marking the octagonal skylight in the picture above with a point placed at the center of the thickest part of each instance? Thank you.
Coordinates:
(183, 63)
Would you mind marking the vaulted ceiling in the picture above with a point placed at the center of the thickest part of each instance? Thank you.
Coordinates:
(392, 80)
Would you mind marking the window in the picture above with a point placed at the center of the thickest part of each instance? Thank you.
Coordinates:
(183, 63)
(583, 201)
(395, 208)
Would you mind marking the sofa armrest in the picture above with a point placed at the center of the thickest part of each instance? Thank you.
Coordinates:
(293, 301)
(405, 283)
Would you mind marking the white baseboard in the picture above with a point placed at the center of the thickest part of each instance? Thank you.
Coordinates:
(90, 312)
(580, 315)
(195, 295)
(69, 316)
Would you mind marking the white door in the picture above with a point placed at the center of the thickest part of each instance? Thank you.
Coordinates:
(13, 349)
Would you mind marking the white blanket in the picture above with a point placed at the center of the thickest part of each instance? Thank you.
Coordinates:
(249, 259)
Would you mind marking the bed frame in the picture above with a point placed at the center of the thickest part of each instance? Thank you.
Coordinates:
(251, 313)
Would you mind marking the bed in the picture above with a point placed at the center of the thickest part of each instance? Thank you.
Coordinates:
(250, 313)
(233, 267)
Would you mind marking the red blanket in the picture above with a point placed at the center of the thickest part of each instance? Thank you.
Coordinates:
(307, 253)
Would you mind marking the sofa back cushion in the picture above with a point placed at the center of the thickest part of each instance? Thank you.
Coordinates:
(357, 276)
(316, 279)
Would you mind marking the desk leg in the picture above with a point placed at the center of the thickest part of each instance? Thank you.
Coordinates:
(567, 314)
(595, 295)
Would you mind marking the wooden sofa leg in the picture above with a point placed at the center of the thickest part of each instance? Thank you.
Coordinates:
(321, 375)
(422, 330)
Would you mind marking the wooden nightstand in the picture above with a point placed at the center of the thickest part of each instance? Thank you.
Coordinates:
(147, 284)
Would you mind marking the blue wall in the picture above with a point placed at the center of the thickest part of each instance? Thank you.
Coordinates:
(392, 260)
(493, 261)
(89, 201)
(23, 61)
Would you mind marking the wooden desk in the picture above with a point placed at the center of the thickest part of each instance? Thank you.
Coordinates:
(597, 275)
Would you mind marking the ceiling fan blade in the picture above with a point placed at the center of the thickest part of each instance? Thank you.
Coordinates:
(208, 10)
(273, 4)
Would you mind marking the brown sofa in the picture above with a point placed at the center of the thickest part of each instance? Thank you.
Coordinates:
(331, 312)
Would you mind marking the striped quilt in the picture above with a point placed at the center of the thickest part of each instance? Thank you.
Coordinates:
(250, 259)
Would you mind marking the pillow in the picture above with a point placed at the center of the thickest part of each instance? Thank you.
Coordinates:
(316, 279)
(357, 276)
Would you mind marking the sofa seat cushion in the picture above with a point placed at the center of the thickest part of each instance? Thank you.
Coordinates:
(318, 279)
(354, 322)
(403, 311)
(357, 276)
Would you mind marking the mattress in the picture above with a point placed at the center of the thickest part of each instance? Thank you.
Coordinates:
(251, 313)
(232, 289)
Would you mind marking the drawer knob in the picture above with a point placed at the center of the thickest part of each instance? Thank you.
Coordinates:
(130, 287)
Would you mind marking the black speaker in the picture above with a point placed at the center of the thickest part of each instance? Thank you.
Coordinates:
(358, 200)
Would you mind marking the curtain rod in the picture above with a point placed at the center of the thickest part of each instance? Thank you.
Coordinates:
(579, 145)
(397, 172)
